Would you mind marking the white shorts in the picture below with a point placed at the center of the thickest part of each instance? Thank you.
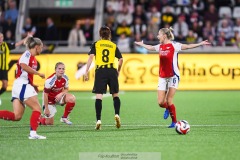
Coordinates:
(165, 83)
(61, 102)
(22, 91)
(52, 107)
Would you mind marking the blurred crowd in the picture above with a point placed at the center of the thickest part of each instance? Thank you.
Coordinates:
(8, 18)
(192, 21)
(136, 20)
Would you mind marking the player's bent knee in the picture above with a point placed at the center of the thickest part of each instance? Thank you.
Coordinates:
(71, 99)
(18, 117)
(49, 123)
(161, 104)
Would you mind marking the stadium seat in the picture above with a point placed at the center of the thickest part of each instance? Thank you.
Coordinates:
(179, 11)
(165, 8)
(223, 11)
(236, 12)
(183, 2)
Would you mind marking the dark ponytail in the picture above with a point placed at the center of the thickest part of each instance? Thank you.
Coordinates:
(105, 33)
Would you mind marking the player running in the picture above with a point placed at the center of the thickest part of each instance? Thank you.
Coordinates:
(24, 92)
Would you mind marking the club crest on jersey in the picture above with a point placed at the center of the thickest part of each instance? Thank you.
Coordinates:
(57, 89)
(164, 53)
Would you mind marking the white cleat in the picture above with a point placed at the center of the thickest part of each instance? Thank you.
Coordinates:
(117, 121)
(36, 136)
(0, 102)
(98, 125)
(65, 120)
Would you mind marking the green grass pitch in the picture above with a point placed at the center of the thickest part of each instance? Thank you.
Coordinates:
(214, 117)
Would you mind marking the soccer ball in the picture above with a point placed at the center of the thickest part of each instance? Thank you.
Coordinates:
(182, 127)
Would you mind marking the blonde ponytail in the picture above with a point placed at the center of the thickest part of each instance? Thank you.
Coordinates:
(171, 37)
(168, 32)
(31, 42)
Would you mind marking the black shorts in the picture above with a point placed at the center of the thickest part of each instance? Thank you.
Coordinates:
(3, 74)
(104, 77)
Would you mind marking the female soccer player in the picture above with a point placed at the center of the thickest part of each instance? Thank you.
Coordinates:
(5, 49)
(106, 72)
(168, 69)
(56, 92)
(24, 92)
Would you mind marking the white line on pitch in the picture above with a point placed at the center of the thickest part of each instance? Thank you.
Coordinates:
(131, 125)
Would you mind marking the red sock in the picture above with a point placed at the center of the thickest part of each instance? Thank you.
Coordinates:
(42, 121)
(172, 112)
(34, 120)
(68, 109)
(164, 105)
(7, 115)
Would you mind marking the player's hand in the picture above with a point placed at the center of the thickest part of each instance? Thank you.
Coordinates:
(47, 112)
(85, 77)
(29, 34)
(139, 43)
(59, 97)
(42, 75)
(205, 42)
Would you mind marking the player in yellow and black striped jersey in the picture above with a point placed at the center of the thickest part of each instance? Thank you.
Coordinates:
(4, 61)
(106, 72)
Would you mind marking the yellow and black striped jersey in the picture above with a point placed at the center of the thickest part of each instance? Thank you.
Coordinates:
(105, 52)
(4, 54)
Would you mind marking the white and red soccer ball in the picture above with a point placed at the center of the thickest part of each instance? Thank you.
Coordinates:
(182, 127)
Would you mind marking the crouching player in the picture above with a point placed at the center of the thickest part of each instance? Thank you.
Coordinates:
(56, 93)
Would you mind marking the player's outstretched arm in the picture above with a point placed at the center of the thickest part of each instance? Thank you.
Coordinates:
(148, 47)
(89, 62)
(120, 62)
(23, 40)
(189, 46)
(31, 71)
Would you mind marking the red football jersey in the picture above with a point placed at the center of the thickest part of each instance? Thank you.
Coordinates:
(168, 54)
(54, 86)
(29, 60)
